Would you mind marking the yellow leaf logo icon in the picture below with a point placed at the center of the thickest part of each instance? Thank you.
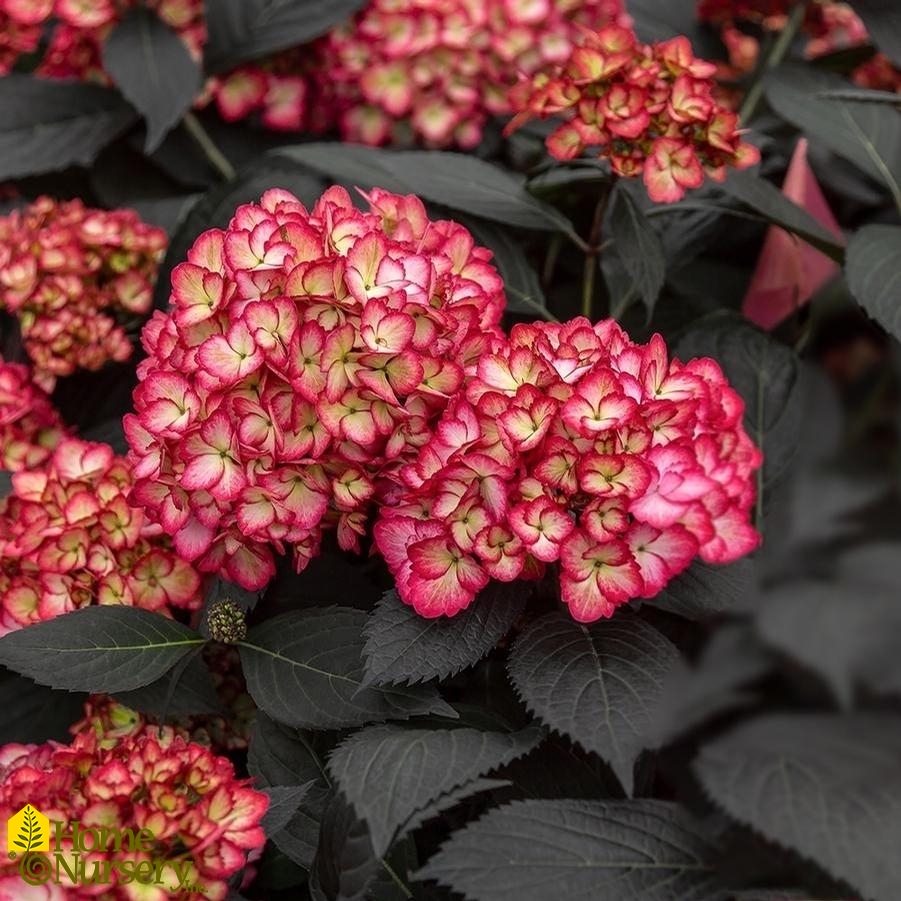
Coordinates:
(28, 830)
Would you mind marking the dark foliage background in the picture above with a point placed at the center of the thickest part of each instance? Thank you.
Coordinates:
(737, 737)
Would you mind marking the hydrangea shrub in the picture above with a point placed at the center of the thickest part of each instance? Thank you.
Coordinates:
(448, 449)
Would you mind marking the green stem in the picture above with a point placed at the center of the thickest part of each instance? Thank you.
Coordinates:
(396, 879)
(593, 248)
(216, 157)
(777, 53)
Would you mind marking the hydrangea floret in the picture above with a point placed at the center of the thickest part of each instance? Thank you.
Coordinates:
(30, 427)
(576, 448)
(305, 358)
(122, 774)
(649, 109)
(69, 537)
(74, 276)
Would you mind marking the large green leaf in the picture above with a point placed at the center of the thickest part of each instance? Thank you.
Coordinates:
(848, 631)
(49, 125)
(390, 773)
(768, 200)
(869, 135)
(873, 269)
(705, 590)
(638, 248)
(601, 684)
(521, 284)
(403, 647)
(242, 30)
(768, 376)
(454, 180)
(579, 850)
(151, 66)
(826, 786)
(305, 669)
(99, 649)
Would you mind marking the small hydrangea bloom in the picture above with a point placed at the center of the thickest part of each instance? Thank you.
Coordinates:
(124, 775)
(305, 357)
(649, 109)
(435, 71)
(574, 446)
(30, 427)
(830, 27)
(69, 538)
(72, 276)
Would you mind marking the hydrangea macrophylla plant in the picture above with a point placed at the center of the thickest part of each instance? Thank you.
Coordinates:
(304, 360)
(69, 537)
(830, 26)
(72, 275)
(574, 446)
(30, 426)
(121, 774)
(649, 109)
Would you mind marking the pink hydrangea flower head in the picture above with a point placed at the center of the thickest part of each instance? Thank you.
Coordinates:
(128, 775)
(305, 358)
(574, 447)
(431, 72)
(73, 276)
(69, 538)
(30, 427)
(649, 109)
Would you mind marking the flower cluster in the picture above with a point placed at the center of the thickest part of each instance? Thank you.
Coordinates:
(572, 445)
(72, 276)
(304, 360)
(204, 820)
(277, 90)
(112, 721)
(829, 25)
(69, 538)
(82, 26)
(21, 26)
(30, 427)
(648, 108)
(437, 70)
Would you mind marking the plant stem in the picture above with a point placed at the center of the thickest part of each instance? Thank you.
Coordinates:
(777, 53)
(216, 157)
(593, 248)
(396, 879)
